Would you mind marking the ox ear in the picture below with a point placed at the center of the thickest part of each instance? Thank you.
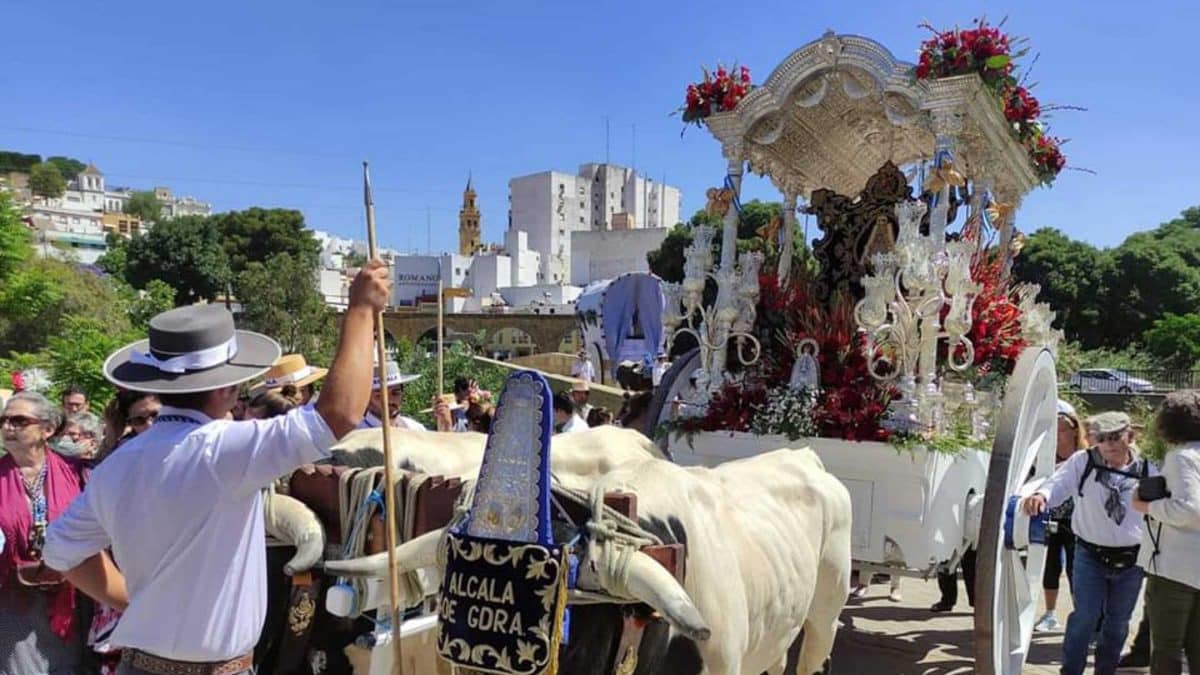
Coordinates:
(649, 582)
(414, 554)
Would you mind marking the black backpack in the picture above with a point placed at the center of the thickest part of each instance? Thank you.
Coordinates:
(1095, 463)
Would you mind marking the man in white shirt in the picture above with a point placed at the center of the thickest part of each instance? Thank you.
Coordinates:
(582, 368)
(395, 386)
(181, 505)
(565, 418)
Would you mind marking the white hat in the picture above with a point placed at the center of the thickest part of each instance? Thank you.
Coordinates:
(1065, 408)
(394, 377)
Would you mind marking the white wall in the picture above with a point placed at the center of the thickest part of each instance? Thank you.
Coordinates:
(334, 287)
(525, 263)
(549, 206)
(490, 272)
(607, 254)
(553, 295)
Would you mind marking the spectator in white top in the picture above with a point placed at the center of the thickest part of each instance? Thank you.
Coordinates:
(580, 393)
(1106, 577)
(565, 418)
(180, 505)
(582, 368)
(1171, 541)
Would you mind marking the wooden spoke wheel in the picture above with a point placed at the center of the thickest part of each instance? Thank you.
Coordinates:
(1009, 578)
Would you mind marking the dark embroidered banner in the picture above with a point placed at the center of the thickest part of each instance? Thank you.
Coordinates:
(500, 605)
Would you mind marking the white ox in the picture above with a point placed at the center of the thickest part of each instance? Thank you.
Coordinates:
(768, 555)
(577, 457)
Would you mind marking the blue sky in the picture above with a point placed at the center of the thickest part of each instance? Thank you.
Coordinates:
(276, 103)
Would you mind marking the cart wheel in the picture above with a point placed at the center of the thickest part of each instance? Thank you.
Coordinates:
(1008, 579)
(675, 382)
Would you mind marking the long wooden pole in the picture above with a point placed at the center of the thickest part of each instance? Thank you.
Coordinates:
(389, 502)
(440, 329)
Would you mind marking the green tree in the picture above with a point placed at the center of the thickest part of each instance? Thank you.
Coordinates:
(45, 180)
(457, 361)
(67, 166)
(77, 354)
(15, 248)
(1150, 275)
(144, 205)
(354, 259)
(1069, 273)
(185, 252)
(256, 235)
(1174, 340)
(116, 255)
(37, 299)
(157, 297)
(279, 298)
(16, 161)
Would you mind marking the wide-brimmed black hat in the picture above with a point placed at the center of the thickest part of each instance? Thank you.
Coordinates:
(191, 349)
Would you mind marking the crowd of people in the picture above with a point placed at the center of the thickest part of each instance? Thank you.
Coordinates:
(95, 580)
(173, 497)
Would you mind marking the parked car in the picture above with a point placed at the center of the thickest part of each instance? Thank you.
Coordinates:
(1108, 380)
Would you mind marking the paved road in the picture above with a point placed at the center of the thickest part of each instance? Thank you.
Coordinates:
(905, 638)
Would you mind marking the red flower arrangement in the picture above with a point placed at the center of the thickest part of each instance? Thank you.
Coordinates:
(983, 50)
(1048, 159)
(719, 92)
(996, 328)
(987, 51)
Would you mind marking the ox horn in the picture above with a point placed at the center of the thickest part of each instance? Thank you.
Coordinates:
(651, 583)
(414, 554)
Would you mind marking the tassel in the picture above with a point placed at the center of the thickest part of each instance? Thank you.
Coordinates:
(560, 609)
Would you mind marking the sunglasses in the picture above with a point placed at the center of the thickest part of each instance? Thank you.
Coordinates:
(1114, 436)
(18, 421)
(142, 420)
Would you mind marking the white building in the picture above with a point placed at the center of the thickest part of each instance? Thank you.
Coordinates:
(174, 207)
(607, 254)
(485, 275)
(551, 205)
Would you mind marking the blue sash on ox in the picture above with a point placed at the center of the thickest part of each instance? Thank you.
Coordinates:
(501, 604)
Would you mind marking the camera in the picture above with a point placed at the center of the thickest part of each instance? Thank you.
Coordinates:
(1153, 488)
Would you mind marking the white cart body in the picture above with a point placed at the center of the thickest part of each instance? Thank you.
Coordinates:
(915, 498)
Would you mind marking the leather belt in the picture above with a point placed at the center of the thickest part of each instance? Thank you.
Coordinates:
(160, 666)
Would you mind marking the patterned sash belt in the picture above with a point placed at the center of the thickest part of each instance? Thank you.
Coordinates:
(160, 666)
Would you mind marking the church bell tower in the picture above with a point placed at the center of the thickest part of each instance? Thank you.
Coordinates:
(468, 223)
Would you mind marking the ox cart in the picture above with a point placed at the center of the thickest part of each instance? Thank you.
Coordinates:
(886, 160)
(878, 349)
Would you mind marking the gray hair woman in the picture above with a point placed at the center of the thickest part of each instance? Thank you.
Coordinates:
(80, 436)
(36, 485)
(1172, 538)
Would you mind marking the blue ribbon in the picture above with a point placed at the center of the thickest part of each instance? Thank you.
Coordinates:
(737, 204)
(987, 220)
(940, 157)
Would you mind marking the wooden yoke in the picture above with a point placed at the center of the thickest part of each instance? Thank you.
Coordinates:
(673, 557)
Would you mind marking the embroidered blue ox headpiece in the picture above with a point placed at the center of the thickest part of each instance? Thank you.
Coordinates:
(503, 594)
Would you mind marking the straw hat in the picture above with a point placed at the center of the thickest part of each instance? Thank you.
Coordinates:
(290, 369)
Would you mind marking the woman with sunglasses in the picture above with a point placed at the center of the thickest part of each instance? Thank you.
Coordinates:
(1106, 580)
(1060, 540)
(37, 609)
(127, 415)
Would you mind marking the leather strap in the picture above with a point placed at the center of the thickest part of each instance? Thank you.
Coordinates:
(632, 628)
(160, 666)
(301, 615)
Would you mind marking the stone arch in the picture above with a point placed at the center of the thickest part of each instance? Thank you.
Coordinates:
(508, 342)
(571, 341)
